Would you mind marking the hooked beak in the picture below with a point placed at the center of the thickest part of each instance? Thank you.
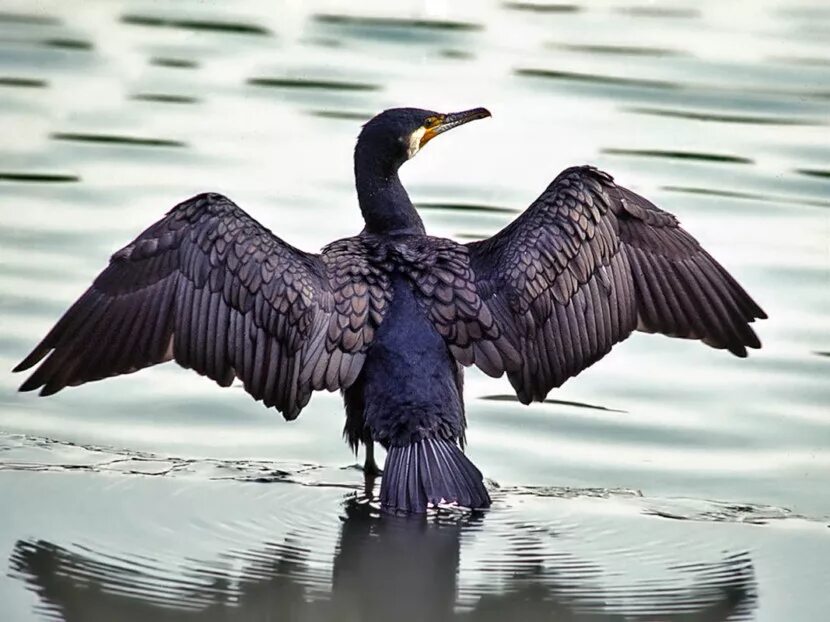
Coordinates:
(454, 119)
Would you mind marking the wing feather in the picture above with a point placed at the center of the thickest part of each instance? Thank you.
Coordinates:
(585, 265)
(211, 288)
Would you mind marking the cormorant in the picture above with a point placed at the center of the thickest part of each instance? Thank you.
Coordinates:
(392, 315)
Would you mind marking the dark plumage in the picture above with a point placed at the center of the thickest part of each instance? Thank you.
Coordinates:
(390, 316)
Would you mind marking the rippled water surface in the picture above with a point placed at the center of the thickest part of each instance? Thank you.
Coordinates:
(669, 482)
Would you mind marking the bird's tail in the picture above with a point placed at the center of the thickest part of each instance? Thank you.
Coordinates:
(431, 471)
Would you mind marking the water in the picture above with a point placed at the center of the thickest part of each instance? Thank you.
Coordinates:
(669, 482)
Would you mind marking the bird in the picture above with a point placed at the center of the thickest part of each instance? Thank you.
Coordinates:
(392, 316)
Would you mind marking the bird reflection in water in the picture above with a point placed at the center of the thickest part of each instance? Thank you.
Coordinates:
(384, 568)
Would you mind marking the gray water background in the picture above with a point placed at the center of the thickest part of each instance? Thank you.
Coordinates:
(158, 491)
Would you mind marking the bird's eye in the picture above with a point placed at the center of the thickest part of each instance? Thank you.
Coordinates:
(431, 122)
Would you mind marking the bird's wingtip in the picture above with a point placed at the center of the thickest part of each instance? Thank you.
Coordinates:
(31, 384)
(33, 358)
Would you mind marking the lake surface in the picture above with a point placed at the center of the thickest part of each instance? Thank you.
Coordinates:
(668, 482)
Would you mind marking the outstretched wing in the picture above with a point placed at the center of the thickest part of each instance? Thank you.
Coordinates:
(588, 263)
(213, 289)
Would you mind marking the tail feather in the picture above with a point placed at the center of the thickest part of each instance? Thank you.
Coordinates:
(428, 472)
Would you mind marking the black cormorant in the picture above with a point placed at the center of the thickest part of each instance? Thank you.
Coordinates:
(392, 315)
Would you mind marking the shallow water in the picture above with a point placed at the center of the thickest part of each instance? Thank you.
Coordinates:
(669, 482)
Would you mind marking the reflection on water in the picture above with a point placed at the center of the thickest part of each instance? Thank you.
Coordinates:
(383, 568)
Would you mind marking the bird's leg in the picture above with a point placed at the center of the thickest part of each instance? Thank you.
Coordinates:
(370, 467)
(369, 485)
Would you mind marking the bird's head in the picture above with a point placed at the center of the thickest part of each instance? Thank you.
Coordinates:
(396, 135)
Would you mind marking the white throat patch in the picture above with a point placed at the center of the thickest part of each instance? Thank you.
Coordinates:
(415, 142)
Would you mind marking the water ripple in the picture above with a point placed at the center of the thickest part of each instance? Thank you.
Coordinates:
(722, 118)
(421, 563)
(593, 78)
(23, 453)
(734, 194)
(666, 85)
(78, 45)
(47, 178)
(678, 155)
(29, 83)
(342, 115)
(165, 98)
(312, 84)
(195, 25)
(655, 11)
(821, 174)
(466, 207)
(28, 18)
(116, 139)
(396, 22)
(617, 50)
(534, 7)
(174, 63)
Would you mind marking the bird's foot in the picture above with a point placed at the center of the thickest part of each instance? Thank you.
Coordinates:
(371, 468)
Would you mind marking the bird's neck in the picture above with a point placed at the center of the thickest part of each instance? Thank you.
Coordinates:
(383, 200)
